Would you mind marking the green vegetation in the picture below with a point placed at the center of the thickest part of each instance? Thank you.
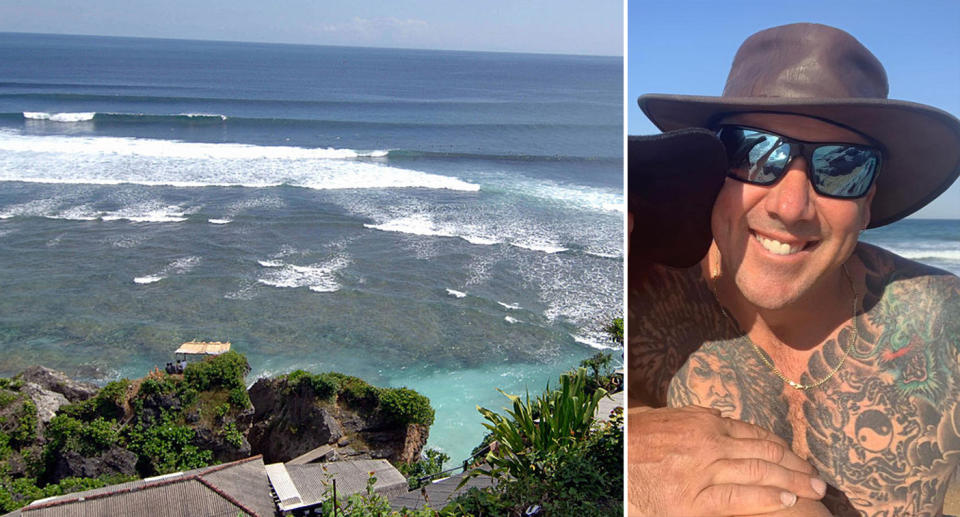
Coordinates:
(601, 376)
(550, 452)
(154, 419)
(224, 371)
(166, 447)
(368, 504)
(398, 405)
(15, 493)
(426, 469)
(615, 330)
(405, 406)
(65, 433)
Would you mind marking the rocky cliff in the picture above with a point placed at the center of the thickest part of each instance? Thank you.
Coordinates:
(297, 413)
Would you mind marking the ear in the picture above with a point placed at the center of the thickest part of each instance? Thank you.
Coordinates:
(867, 202)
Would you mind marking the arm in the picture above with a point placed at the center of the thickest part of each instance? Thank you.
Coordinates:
(670, 314)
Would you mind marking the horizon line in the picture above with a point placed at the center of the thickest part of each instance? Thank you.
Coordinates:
(531, 52)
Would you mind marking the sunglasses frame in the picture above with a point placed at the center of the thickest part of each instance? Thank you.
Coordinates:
(805, 149)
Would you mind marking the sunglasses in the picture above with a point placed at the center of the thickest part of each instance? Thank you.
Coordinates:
(838, 170)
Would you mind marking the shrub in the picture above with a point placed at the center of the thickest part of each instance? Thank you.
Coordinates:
(423, 471)
(107, 403)
(239, 398)
(325, 386)
(166, 447)
(226, 370)
(369, 503)
(405, 406)
(580, 476)
(25, 430)
(615, 330)
(556, 420)
(232, 435)
(7, 397)
(65, 433)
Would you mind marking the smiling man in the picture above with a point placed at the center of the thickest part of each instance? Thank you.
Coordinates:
(848, 352)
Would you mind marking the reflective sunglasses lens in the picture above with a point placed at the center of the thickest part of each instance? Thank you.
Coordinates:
(754, 156)
(844, 171)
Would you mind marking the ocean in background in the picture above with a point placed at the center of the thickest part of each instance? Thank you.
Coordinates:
(935, 242)
(447, 221)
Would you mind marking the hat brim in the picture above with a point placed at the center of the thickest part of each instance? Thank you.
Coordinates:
(921, 143)
(673, 181)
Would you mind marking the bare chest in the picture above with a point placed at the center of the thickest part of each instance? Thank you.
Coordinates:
(872, 431)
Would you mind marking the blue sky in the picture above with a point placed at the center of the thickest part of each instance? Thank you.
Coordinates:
(687, 47)
(552, 26)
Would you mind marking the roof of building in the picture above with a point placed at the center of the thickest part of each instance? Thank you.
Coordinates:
(439, 493)
(608, 404)
(299, 486)
(203, 347)
(230, 489)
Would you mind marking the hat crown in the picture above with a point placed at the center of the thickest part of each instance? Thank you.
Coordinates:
(805, 60)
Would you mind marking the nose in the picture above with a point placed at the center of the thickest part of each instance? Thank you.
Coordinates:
(791, 199)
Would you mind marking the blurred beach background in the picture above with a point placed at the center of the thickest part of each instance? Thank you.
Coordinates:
(448, 221)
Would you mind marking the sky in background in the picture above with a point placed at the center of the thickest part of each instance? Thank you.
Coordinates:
(542, 26)
(687, 48)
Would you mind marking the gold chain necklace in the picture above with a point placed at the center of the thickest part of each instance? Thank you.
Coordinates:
(763, 356)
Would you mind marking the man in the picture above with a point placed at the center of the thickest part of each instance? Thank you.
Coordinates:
(691, 462)
(847, 352)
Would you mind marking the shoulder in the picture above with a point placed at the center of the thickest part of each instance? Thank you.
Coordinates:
(892, 278)
(670, 313)
(912, 307)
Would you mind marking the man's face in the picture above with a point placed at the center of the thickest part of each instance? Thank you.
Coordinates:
(752, 224)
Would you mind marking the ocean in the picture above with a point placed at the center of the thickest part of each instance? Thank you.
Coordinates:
(935, 242)
(447, 221)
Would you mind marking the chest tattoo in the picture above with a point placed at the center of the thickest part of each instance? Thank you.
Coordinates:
(885, 431)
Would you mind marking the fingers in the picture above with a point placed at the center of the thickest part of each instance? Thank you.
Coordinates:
(744, 500)
(761, 473)
(739, 429)
(768, 451)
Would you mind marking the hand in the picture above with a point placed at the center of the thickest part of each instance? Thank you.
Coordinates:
(691, 462)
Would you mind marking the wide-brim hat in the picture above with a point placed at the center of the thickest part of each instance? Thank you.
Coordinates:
(673, 180)
(823, 72)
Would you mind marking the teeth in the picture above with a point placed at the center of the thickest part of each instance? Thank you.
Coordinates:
(776, 247)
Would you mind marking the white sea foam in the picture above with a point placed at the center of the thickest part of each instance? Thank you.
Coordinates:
(219, 221)
(35, 208)
(114, 160)
(149, 212)
(456, 294)
(416, 224)
(593, 342)
(59, 117)
(483, 241)
(204, 115)
(587, 197)
(929, 254)
(320, 277)
(603, 254)
(511, 320)
(247, 291)
(539, 245)
(511, 306)
(177, 267)
(270, 263)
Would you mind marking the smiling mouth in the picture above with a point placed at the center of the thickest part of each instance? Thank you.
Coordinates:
(781, 248)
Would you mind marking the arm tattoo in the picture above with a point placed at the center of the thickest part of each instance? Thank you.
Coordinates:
(670, 312)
